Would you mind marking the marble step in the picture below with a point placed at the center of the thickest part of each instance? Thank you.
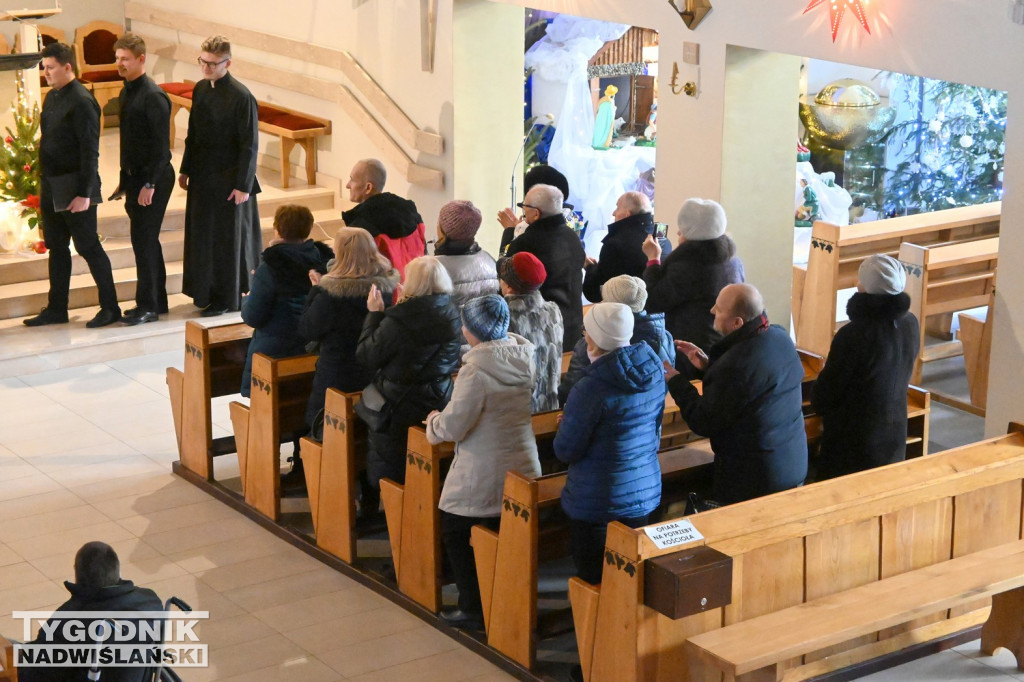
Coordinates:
(113, 222)
(26, 268)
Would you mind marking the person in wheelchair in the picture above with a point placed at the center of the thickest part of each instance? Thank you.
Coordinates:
(98, 587)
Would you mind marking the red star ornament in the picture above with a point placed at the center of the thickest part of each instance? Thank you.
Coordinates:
(836, 10)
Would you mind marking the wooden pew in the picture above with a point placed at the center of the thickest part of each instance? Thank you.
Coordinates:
(507, 560)
(945, 279)
(837, 252)
(8, 673)
(760, 648)
(214, 361)
(330, 469)
(277, 405)
(976, 337)
(414, 521)
(805, 544)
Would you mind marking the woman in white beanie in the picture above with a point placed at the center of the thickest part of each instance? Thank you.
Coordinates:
(609, 436)
(861, 392)
(686, 285)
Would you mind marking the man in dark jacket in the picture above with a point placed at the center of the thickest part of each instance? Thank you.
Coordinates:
(686, 285)
(70, 189)
(556, 246)
(147, 176)
(98, 587)
(751, 402)
(621, 249)
(861, 393)
(393, 222)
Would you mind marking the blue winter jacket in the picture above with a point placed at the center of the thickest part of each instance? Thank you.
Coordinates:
(609, 437)
(649, 327)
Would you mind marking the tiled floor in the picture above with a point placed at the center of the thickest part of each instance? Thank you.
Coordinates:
(85, 455)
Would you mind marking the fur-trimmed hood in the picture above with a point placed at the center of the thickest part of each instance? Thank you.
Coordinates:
(359, 287)
(890, 307)
(709, 251)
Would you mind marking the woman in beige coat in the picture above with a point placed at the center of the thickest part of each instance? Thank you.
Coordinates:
(488, 418)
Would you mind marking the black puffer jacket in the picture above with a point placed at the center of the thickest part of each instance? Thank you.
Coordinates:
(414, 346)
(861, 392)
(621, 253)
(334, 315)
(685, 287)
(556, 246)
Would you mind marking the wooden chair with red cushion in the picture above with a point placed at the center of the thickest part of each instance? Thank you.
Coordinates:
(94, 52)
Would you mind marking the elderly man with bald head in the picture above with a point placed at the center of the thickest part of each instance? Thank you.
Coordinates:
(751, 402)
(622, 248)
(558, 247)
(393, 222)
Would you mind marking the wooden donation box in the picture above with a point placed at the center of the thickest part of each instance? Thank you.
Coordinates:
(690, 581)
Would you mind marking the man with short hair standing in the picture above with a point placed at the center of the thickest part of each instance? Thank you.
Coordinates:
(147, 176)
(222, 222)
(558, 247)
(621, 248)
(70, 189)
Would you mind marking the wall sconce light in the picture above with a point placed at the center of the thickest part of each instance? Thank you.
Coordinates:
(692, 11)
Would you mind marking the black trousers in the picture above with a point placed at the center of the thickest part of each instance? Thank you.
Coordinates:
(587, 540)
(455, 535)
(59, 229)
(151, 283)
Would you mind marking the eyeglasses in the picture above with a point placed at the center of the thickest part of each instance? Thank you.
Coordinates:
(202, 62)
(522, 205)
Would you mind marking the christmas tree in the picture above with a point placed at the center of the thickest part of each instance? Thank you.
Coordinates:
(19, 158)
(950, 149)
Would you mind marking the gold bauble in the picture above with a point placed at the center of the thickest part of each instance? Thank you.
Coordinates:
(846, 114)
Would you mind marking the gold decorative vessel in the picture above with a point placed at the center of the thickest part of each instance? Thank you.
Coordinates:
(846, 114)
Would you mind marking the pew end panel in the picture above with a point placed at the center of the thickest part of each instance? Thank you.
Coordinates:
(176, 389)
(343, 454)
(312, 463)
(976, 338)
(240, 425)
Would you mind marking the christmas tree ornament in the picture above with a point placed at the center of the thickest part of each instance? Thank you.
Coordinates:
(836, 10)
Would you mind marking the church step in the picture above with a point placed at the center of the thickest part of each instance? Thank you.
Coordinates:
(113, 222)
(119, 250)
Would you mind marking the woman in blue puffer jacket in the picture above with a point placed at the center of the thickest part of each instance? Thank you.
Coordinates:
(609, 436)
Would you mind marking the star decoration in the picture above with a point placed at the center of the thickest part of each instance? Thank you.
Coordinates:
(836, 10)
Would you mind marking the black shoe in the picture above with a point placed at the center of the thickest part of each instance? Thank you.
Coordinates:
(47, 316)
(104, 317)
(293, 484)
(213, 310)
(458, 618)
(133, 312)
(140, 318)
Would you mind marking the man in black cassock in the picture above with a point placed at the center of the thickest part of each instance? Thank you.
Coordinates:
(222, 224)
(147, 176)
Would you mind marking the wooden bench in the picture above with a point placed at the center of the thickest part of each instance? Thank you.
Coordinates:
(804, 544)
(214, 361)
(277, 405)
(414, 521)
(291, 126)
(8, 673)
(945, 279)
(837, 252)
(330, 468)
(507, 561)
(976, 337)
(761, 648)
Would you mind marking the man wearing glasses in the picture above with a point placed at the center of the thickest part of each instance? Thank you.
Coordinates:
(218, 170)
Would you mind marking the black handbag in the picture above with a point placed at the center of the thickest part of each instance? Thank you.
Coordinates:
(374, 409)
